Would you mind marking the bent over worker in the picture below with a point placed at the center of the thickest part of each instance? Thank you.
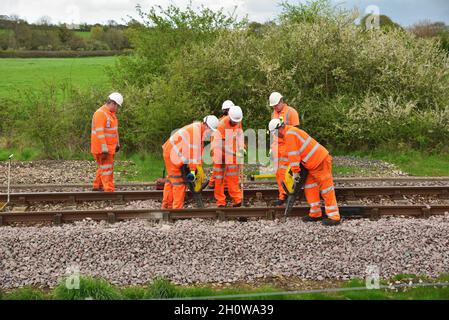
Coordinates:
(105, 142)
(227, 144)
(290, 117)
(184, 148)
(302, 148)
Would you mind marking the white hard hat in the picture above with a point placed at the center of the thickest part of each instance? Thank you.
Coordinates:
(227, 105)
(275, 124)
(275, 98)
(212, 122)
(116, 97)
(236, 114)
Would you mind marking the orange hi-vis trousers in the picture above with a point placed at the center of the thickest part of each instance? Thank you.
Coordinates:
(281, 164)
(320, 182)
(105, 173)
(175, 187)
(227, 174)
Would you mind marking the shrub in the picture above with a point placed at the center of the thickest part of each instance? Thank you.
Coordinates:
(89, 288)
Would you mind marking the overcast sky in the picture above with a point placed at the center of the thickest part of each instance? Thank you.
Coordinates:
(405, 12)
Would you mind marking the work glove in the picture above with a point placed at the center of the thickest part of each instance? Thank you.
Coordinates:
(191, 177)
(117, 148)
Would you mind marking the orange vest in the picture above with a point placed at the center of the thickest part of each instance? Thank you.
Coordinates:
(291, 118)
(300, 147)
(104, 137)
(185, 146)
(226, 141)
(288, 114)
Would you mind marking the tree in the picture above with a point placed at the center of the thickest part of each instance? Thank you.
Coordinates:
(385, 22)
(97, 32)
(65, 34)
(44, 21)
(427, 29)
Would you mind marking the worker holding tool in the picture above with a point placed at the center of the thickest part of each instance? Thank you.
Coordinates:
(105, 142)
(183, 157)
(290, 117)
(303, 149)
(227, 146)
(225, 109)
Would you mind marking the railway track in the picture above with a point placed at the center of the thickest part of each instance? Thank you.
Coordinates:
(343, 194)
(143, 185)
(112, 216)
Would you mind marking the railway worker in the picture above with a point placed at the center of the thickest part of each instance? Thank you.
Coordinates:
(290, 117)
(301, 148)
(105, 142)
(227, 146)
(184, 149)
(225, 109)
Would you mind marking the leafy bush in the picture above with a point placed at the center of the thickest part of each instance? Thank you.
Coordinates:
(354, 89)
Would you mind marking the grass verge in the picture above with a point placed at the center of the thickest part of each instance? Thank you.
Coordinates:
(98, 289)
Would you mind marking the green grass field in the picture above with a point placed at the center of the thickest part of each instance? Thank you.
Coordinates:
(22, 74)
(83, 34)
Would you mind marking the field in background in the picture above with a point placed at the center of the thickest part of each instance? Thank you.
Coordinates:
(21, 74)
(83, 34)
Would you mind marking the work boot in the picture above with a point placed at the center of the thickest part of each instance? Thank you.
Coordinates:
(238, 205)
(279, 203)
(311, 219)
(330, 223)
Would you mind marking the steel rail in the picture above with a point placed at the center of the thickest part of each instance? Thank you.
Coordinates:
(343, 193)
(113, 215)
(153, 184)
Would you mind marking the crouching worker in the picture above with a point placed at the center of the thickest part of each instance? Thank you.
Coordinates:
(184, 148)
(301, 148)
(105, 142)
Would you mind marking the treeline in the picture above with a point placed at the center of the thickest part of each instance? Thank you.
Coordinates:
(355, 89)
(17, 34)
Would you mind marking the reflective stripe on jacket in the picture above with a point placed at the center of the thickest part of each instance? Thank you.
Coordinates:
(291, 118)
(104, 136)
(226, 141)
(300, 147)
(185, 146)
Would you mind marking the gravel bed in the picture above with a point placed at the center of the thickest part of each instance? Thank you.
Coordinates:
(187, 252)
(53, 171)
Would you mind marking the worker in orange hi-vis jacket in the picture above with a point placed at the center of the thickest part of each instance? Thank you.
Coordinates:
(227, 146)
(303, 149)
(184, 148)
(290, 117)
(105, 142)
(225, 109)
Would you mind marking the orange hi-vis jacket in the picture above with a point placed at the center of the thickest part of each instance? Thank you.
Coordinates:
(186, 146)
(288, 114)
(227, 140)
(300, 147)
(291, 118)
(104, 137)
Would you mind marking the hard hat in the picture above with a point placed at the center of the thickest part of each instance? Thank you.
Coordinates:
(211, 122)
(116, 97)
(275, 124)
(275, 98)
(236, 114)
(227, 105)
